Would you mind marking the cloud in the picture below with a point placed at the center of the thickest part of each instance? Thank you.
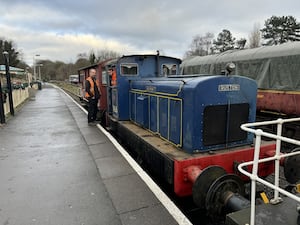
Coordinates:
(39, 18)
(59, 30)
(65, 47)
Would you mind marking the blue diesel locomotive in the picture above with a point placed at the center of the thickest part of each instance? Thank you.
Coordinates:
(186, 130)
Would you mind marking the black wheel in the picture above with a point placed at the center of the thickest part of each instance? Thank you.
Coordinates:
(203, 183)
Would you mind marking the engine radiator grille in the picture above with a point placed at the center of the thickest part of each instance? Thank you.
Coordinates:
(221, 123)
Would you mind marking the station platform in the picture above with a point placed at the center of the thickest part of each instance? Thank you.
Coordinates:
(55, 169)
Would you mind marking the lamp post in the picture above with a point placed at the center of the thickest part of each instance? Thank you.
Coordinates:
(34, 66)
(40, 75)
(2, 116)
(27, 75)
(11, 104)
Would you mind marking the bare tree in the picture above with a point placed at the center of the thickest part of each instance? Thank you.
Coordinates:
(255, 36)
(105, 54)
(200, 45)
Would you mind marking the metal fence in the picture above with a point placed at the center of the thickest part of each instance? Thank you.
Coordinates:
(259, 133)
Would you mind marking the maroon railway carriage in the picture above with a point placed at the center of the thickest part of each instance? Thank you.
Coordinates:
(102, 69)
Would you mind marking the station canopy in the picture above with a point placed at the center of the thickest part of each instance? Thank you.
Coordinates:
(12, 70)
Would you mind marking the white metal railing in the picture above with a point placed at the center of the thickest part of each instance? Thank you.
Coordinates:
(278, 155)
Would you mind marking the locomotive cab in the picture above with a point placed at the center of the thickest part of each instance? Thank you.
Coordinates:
(134, 67)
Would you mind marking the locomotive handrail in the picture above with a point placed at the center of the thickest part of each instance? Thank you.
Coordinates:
(278, 155)
(152, 93)
(160, 93)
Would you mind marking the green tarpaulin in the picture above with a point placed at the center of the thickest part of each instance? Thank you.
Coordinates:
(273, 67)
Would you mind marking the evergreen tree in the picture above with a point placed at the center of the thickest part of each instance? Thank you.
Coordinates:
(240, 44)
(13, 54)
(224, 42)
(92, 57)
(279, 30)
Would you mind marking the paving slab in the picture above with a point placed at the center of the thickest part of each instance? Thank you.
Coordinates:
(140, 216)
(103, 150)
(129, 194)
(120, 168)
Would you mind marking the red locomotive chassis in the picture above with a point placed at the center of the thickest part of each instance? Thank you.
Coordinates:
(228, 159)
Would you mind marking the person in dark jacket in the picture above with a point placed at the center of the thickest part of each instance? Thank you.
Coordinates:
(92, 94)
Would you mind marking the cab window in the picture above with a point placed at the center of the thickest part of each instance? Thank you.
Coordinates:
(129, 69)
(169, 69)
(104, 76)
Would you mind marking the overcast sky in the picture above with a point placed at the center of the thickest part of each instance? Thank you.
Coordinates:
(62, 29)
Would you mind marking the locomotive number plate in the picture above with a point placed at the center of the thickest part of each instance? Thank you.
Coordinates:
(229, 87)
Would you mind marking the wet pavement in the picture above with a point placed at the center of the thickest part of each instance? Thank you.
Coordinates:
(55, 169)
